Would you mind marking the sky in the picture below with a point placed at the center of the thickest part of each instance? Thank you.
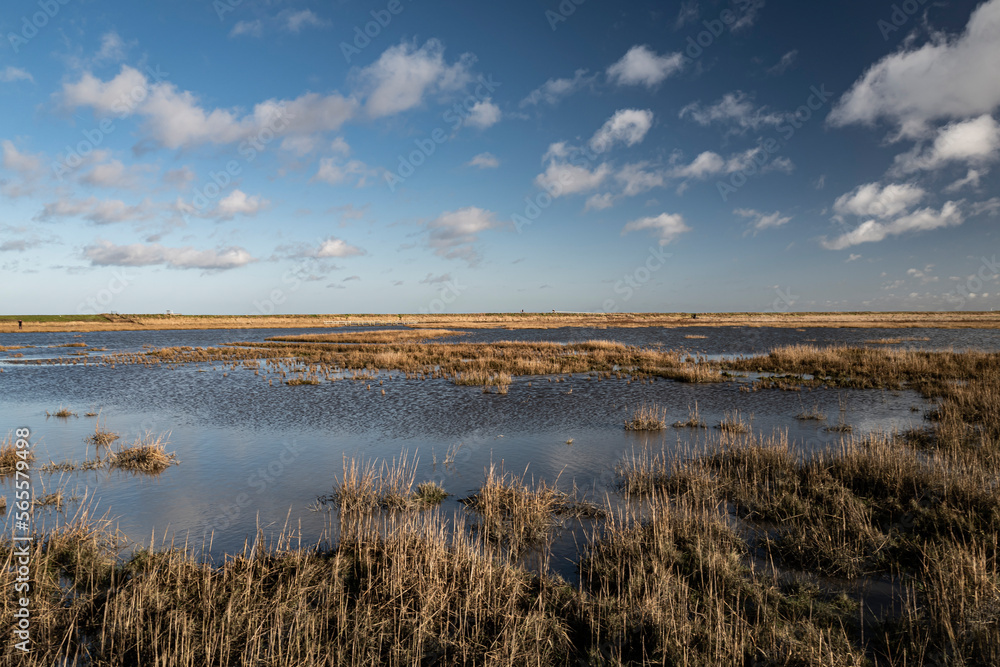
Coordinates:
(259, 156)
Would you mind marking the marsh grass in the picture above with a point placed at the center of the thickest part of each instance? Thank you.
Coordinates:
(429, 494)
(102, 437)
(10, 455)
(647, 417)
(812, 414)
(734, 422)
(146, 455)
(62, 413)
(694, 419)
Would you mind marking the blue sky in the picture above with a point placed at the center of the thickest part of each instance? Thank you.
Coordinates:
(407, 156)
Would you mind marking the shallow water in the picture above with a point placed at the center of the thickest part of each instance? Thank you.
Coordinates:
(257, 455)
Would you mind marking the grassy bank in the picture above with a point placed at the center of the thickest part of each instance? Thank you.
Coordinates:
(121, 322)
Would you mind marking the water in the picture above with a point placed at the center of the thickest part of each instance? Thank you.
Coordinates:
(253, 455)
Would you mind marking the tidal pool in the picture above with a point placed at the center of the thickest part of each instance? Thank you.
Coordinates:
(258, 456)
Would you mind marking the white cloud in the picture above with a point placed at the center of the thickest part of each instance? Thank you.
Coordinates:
(113, 174)
(253, 28)
(238, 203)
(554, 90)
(599, 202)
(972, 177)
(453, 234)
(483, 114)
(870, 200)
(709, 164)
(872, 231)
(561, 178)
(11, 73)
(174, 118)
(22, 163)
(760, 221)
(484, 161)
(991, 207)
(404, 75)
(636, 179)
(665, 226)
(782, 65)
(294, 21)
(98, 211)
(105, 97)
(641, 66)
(735, 110)
(112, 48)
(334, 247)
(335, 172)
(975, 141)
(946, 78)
(106, 253)
(627, 126)
(852, 258)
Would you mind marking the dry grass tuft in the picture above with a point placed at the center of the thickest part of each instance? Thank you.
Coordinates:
(145, 455)
(647, 417)
(102, 437)
(62, 413)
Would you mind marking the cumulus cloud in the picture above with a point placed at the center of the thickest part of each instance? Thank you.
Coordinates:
(404, 75)
(626, 126)
(483, 114)
(334, 247)
(98, 211)
(871, 200)
(944, 79)
(709, 164)
(872, 231)
(975, 141)
(23, 163)
(484, 161)
(174, 118)
(238, 202)
(453, 234)
(106, 253)
(113, 174)
(760, 221)
(736, 110)
(641, 66)
(554, 90)
(666, 227)
(561, 178)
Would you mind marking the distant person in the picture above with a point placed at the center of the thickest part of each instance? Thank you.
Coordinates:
(20, 324)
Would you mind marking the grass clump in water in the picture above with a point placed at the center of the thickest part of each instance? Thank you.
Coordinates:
(429, 494)
(146, 455)
(647, 417)
(62, 413)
